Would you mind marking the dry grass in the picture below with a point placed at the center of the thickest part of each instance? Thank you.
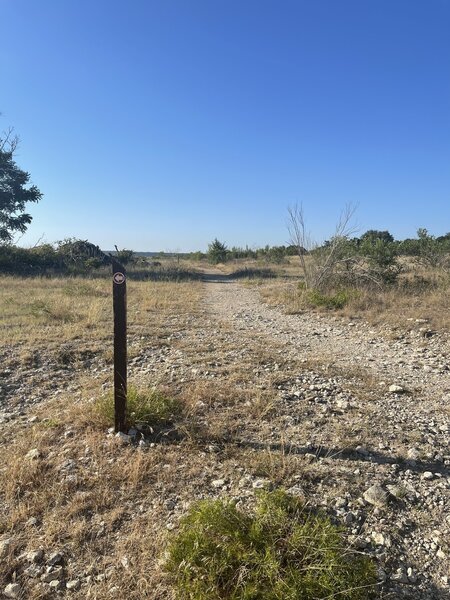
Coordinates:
(40, 311)
(109, 507)
(399, 305)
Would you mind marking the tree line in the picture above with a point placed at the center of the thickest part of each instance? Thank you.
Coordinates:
(372, 256)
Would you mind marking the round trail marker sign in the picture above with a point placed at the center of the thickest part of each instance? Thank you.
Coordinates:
(118, 277)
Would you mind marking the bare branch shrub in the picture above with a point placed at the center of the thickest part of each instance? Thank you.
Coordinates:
(319, 264)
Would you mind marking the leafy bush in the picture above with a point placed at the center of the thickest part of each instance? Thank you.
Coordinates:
(282, 552)
(150, 407)
(382, 257)
(125, 256)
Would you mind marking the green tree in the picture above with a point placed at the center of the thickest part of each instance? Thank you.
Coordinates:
(15, 191)
(217, 252)
(432, 253)
(373, 235)
(382, 257)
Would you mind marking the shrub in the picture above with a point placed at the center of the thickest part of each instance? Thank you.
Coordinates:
(282, 552)
(217, 252)
(151, 408)
(330, 301)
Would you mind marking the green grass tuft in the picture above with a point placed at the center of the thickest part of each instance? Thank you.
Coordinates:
(330, 301)
(282, 552)
(144, 407)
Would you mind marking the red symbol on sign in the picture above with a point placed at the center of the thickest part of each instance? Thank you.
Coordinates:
(118, 277)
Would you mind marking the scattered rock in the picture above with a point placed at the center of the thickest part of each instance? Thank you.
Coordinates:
(55, 584)
(396, 389)
(73, 584)
(55, 559)
(33, 454)
(35, 556)
(51, 574)
(12, 590)
(261, 484)
(377, 496)
(5, 546)
(218, 483)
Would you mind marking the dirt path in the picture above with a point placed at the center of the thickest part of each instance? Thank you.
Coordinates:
(412, 361)
(335, 403)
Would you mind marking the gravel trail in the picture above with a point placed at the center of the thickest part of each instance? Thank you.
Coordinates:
(389, 392)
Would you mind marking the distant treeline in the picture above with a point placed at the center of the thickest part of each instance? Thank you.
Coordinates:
(69, 256)
(422, 244)
(74, 256)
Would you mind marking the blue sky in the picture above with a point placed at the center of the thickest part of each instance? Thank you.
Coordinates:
(161, 124)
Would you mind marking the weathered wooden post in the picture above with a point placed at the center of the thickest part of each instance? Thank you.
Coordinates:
(120, 345)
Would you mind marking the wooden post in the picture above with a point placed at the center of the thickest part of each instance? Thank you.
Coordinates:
(120, 345)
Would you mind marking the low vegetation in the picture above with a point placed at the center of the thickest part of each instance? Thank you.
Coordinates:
(146, 409)
(282, 551)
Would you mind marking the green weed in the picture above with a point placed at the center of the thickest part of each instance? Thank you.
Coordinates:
(144, 407)
(282, 552)
(331, 301)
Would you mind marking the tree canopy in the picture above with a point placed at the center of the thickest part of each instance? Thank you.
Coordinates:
(217, 252)
(15, 192)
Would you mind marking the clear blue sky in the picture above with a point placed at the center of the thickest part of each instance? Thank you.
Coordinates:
(161, 124)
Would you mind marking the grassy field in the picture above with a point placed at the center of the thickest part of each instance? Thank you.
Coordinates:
(67, 486)
(96, 516)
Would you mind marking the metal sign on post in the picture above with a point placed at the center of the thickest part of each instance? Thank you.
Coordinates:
(120, 345)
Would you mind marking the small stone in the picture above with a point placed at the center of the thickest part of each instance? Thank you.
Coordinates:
(398, 491)
(32, 521)
(5, 545)
(396, 389)
(340, 502)
(379, 539)
(261, 484)
(51, 574)
(440, 554)
(343, 404)
(427, 475)
(413, 454)
(55, 584)
(34, 571)
(123, 437)
(55, 559)
(349, 518)
(33, 454)
(74, 584)
(12, 590)
(400, 576)
(298, 492)
(310, 457)
(376, 495)
(218, 483)
(35, 556)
